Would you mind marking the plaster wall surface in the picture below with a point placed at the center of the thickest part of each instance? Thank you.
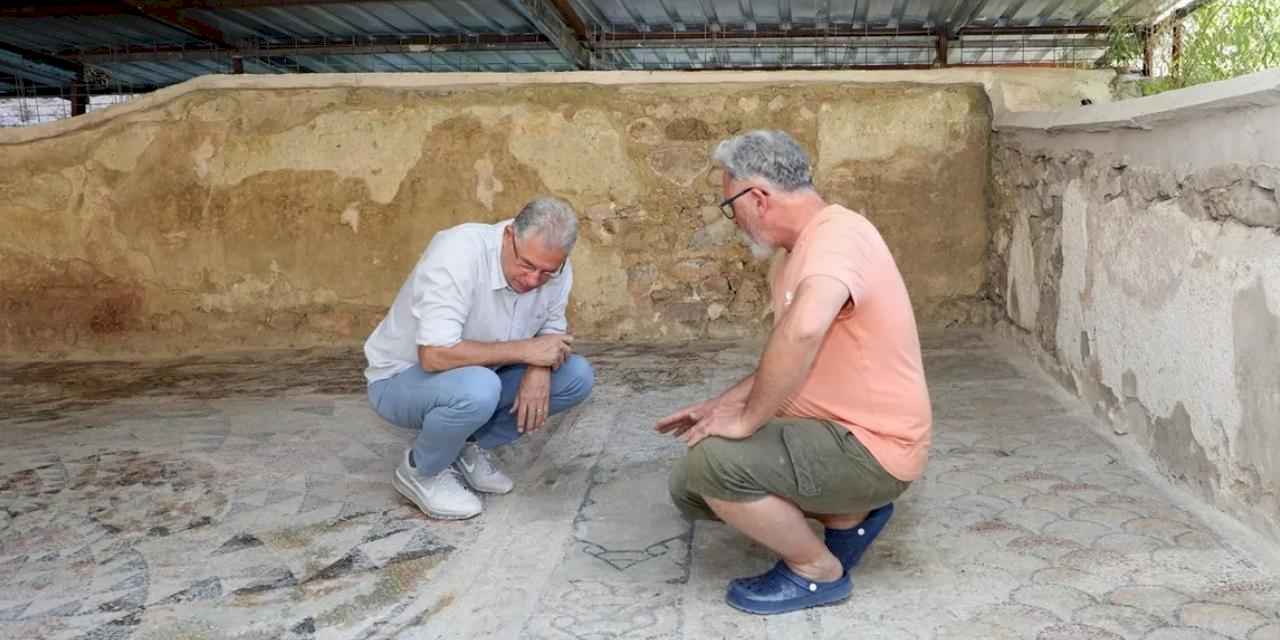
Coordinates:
(1139, 243)
(249, 212)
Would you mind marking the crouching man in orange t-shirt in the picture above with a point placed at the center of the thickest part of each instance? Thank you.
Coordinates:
(834, 423)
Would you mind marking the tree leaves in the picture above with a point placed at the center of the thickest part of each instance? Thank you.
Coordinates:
(1222, 39)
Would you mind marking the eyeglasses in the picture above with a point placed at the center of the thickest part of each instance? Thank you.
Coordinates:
(528, 267)
(726, 206)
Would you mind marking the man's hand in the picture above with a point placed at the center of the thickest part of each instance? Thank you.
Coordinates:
(547, 351)
(680, 421)
(694, 423)
(533, 399)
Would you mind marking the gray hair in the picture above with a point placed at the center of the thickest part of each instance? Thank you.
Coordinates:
(769, 154)
(551, 218)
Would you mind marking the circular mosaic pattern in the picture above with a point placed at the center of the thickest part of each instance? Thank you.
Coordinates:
(66, 543)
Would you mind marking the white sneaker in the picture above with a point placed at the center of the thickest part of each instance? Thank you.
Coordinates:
(479, 471)
(440, 496)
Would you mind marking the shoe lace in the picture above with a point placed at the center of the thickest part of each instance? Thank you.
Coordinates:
(481, 459)
(450, 480)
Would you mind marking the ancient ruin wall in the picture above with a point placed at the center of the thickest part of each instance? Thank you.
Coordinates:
(231, 213)
(1139, 243)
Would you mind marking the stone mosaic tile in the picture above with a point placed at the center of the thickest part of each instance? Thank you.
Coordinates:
(249, 497)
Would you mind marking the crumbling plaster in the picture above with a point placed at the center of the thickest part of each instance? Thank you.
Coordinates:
(1139, 243)
(252, 212)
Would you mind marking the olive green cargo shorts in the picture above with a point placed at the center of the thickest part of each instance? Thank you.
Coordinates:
(818, 466)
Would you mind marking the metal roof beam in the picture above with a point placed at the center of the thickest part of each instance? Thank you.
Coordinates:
(54, 9)
(781, 44)
(571, 18)
(551, 20)
(173, 18)
(1080, 29)
(914, 40)
(57, 62)
(420, 44)
(795, 32)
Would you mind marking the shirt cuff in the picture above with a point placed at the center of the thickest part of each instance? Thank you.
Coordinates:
(440, 339)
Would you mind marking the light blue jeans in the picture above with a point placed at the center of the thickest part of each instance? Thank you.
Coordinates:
(468, 403)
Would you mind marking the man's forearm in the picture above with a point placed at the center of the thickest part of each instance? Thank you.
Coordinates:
(471, 353)
(788, 356)
(737, 394)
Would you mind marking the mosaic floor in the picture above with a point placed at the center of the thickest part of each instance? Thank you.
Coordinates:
(248, 497)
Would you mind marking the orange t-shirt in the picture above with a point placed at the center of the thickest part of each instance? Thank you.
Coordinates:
(868, 374)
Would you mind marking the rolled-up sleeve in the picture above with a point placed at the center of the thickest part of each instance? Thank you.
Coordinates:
(442, 288)
(556, 322)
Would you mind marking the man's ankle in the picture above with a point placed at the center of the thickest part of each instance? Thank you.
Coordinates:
(844, 522)
(825, 569)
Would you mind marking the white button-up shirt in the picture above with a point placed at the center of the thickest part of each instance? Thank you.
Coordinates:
(458, 292)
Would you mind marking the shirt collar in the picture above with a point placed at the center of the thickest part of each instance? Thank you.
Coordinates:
(497, 279)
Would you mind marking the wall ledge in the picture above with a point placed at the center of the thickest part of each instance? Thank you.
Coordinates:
(1256, 90)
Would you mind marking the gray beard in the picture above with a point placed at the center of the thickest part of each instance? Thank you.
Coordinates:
(759, 250)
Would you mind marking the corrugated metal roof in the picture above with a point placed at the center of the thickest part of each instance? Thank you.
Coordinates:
(336, 21)
(15, 68)
(59, 34)
(473, 61)
(677, 15)
(143, 74)
(148, 51)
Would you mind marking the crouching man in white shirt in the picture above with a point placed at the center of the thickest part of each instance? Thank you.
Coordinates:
(473, 353)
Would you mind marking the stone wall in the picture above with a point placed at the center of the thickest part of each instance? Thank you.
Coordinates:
(243, 212)
(1139, 243)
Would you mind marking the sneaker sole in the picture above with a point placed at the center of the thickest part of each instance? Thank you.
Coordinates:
(403, 489)
(462, 471)
(492, 492)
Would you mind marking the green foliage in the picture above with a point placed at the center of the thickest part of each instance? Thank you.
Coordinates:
(1230, 38)
(1222, 39)
(1152, 86)
(1124, 46)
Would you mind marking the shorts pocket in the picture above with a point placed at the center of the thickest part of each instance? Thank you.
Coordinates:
(807, 445)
